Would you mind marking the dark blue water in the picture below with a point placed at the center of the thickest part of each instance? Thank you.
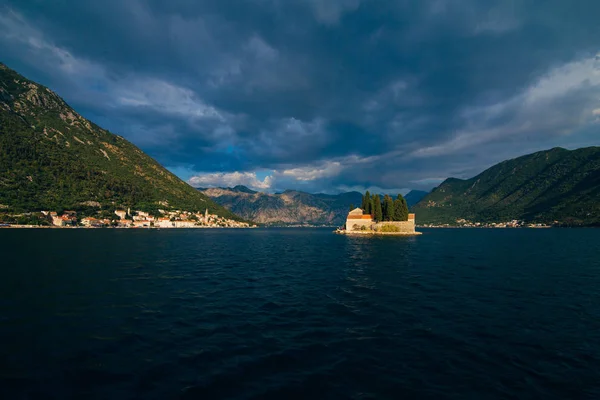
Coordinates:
(299, 313)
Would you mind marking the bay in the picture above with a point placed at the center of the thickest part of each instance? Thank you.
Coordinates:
(299, 313)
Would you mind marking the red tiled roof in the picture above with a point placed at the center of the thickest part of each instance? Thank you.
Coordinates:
(360, 216)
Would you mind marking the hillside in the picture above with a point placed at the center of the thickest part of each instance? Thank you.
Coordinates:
(52, 158)
(553, 185)
(287, 208)
(414, 196)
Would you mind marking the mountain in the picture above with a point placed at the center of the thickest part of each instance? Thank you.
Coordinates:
(287, 208)
(52, 158)
(553, 185)
(414, 196)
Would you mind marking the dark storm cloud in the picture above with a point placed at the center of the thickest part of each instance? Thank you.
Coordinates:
(317, 95)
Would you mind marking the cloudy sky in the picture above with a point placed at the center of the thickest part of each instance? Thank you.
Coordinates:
(320, 95)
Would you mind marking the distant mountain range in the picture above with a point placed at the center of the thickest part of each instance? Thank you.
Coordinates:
(553, 185)
(291, 207)
(52, 158)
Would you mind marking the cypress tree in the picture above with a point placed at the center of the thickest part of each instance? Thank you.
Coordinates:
(388, 208)
(383, 208)
(404, 208)
(400, 209)
(351, 207)
(397, 210)
(378, 212)
(367, 207)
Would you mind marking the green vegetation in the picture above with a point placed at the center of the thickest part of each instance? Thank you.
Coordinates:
(388, 228)
(377, 211)
(386, 210)
(52, 158)
(400, 209)
(547, 186)
(367, 203)
(37, 219)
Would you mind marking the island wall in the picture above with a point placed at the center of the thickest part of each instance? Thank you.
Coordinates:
(357, 224)
(403, 226)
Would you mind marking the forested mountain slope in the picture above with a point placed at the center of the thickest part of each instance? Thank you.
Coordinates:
(553, 185)
(52, 158)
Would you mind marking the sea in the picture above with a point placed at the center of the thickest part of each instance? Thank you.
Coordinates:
(299, 314)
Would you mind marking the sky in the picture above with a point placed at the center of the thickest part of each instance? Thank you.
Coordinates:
(320, 95)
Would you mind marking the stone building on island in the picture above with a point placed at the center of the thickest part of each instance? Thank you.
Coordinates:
(357, 221)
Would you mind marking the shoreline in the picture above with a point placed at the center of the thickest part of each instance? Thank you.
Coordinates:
(373, 233)
(486, 227)
(116, 227)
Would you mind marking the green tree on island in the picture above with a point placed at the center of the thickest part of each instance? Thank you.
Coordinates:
(352, 206)
(366, 205)
(377, 214)
(388, 208)
(400, 209)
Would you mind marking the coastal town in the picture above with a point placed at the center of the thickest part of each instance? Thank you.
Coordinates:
(464, 223)
(129, 219)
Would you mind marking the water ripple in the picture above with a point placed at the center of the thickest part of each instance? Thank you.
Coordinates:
(300, 313)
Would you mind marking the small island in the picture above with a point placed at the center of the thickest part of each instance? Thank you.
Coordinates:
(377, 217)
